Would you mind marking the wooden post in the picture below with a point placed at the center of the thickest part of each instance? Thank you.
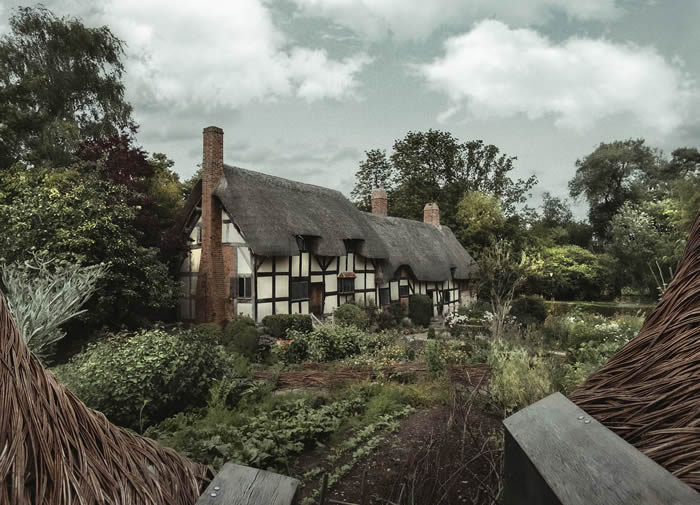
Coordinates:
(556, 454)
(324, 490)
(239, 485)
(363, 488)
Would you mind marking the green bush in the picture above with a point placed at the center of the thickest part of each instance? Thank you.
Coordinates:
(211, 332)
(241, 336)
(517, 378)
(575, 328)
(330, 343)
(140, 378)
(278, 324)
(420, 309)
(431, 333)
(434, 360)
(529, 310)
(385, 321)
(350, 314)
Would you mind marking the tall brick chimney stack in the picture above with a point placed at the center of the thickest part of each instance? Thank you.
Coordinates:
(431, 214)
(211, 297)
(380, 204)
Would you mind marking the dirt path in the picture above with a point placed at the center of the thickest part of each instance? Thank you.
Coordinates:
(426, 456)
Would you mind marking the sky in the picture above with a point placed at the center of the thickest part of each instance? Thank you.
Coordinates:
(302, 88)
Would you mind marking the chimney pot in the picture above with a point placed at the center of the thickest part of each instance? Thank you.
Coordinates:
(431, 214)
(380, 204)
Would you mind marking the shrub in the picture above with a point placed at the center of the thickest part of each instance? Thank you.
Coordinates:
(517, 379)
(211, 332)
(278, 324)
(573, 329)
(350, 314)
(420, 309)
(241, 337)
(43, 294)
(529, 310)
(431, 333)
(137, 379)
(434, 360)
(329, 343)
(385, 321)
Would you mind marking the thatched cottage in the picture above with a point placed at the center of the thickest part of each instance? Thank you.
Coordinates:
(262, 245)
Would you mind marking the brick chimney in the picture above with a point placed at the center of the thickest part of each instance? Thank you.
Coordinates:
(380, 204)
(431, 214)
(211, 297)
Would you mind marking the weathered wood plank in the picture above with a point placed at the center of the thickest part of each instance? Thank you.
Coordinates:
(557, 454)
(243, 485)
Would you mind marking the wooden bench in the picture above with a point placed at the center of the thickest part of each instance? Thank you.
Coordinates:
(556, 454)
(243, 485)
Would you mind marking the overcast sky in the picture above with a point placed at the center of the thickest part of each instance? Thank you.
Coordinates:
(303, 87)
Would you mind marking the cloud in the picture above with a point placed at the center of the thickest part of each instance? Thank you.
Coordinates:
(214, 54)
(416, 19)
(496, 71)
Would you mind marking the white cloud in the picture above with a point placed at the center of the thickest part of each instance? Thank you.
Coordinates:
(416, 19)
(211, 53)
(496, 71)
(216, 53)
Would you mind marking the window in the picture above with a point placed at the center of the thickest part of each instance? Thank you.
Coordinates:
(445, 296)
(350, 246)
(403, 291)
(302, 243)
(300, 290)
(244, 288)
(346, 286)
(384, 296)
(199, 234)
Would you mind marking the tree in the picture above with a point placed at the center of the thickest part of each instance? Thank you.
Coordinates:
(555, 211)
(503, 271)
(611, 175)
(639, 238)
(570, 272)
(374, 172)
(479, 220)
(43, 295)
(74, 215)
(60, 83)
(434, 166)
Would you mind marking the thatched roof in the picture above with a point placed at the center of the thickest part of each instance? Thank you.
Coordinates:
(431, 252)
(271, 212)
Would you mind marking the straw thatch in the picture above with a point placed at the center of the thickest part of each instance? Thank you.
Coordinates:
(56, 451)
(431, 252)
(649, 392)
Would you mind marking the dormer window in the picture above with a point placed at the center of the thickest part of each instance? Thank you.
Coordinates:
(303, 243)
(350, 246)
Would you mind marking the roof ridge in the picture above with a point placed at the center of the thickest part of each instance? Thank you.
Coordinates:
(283, 180)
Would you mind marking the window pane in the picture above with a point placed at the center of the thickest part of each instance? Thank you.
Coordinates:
(300, 290)
(384, 296)
(346, 285)
(403, 291)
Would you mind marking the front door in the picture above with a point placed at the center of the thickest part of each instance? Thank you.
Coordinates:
(317, 298)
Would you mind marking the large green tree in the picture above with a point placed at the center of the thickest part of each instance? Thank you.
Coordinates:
(74, 215)
(60, 84)
(613, 174)
(434, 166)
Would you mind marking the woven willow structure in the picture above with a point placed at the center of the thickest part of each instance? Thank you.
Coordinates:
(649, 392)
(56, 451)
